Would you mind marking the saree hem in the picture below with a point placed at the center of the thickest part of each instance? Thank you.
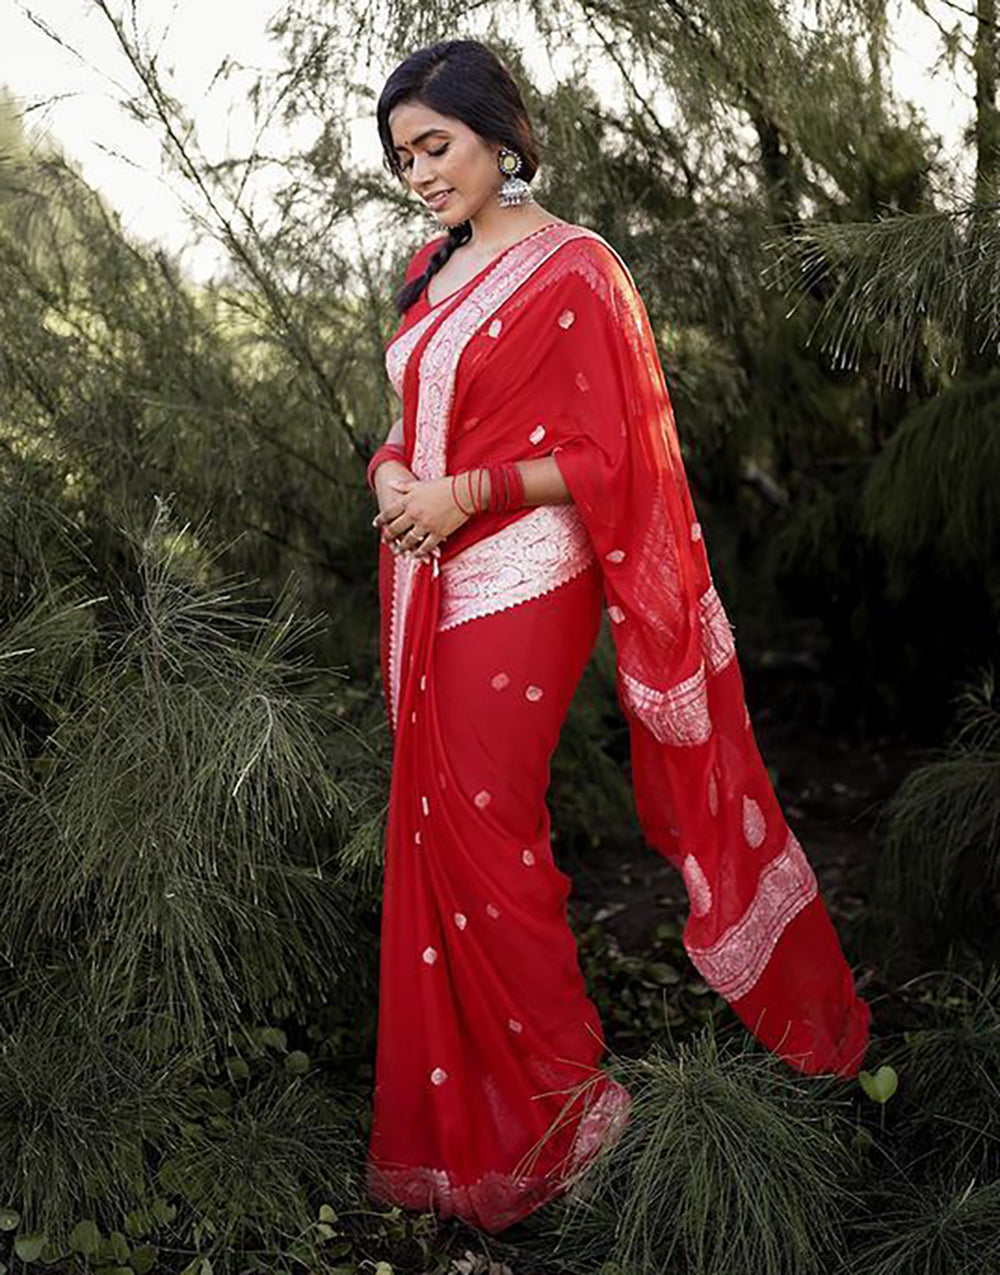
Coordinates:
(497, 1200)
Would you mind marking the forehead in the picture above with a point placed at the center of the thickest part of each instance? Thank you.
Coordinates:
(411, 119)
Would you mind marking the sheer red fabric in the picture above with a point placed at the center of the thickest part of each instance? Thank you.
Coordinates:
(488, 1095)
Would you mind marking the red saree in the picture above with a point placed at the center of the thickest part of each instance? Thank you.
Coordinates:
(486, 1033)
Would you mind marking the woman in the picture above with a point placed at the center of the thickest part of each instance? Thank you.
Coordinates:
(534, 477)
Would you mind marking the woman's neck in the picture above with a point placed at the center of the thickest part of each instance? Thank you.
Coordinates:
(495, 227)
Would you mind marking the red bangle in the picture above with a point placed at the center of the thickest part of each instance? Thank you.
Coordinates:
(388, 451)
(496, 489)
(516, 487)
(506, 488)
(454, 495)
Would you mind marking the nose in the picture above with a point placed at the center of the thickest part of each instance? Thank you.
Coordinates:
(421, 173)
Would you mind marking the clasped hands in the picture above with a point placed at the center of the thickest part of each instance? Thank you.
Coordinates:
(415, 516)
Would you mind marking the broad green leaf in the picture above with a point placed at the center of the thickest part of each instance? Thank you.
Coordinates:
(164, 1212)
(275, 1038)
(142, 1259)
(138, 1223)
(297, 1062)
(29, 1247)
(51, 1254)
(85, 1237)
(662, 973)
(881, 1086)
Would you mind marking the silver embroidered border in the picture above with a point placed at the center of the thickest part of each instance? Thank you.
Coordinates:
(532, 556)
(402, 585)
(716, 633)
(678, 715)
(504, 1195)
(439, 361)
(398, 353)
(735, 961)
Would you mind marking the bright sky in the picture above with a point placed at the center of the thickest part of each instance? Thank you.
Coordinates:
(82, 91)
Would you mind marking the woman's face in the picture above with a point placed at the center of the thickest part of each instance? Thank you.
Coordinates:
(440, 153)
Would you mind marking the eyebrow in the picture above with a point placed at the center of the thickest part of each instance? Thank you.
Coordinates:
(428, 132)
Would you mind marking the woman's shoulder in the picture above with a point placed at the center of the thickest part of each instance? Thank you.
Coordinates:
(585, 252)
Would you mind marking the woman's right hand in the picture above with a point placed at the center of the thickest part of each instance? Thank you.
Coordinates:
(388, 472)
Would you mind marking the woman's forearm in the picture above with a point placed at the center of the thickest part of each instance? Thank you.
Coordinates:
(395, 435)
(542, 481)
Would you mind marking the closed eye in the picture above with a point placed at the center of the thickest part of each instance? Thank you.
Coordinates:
(409, 164)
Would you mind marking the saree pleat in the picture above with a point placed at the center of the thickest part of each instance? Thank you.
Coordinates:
(488, 1096)
(485, 1027)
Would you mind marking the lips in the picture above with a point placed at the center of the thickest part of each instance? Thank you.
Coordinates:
(438, 198)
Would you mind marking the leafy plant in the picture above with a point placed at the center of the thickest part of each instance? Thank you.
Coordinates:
(728, 1163)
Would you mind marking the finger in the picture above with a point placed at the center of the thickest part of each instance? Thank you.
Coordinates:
(412, 541)
(429, 546)
(400, 525)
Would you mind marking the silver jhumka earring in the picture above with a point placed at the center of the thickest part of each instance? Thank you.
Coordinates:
(513, 191)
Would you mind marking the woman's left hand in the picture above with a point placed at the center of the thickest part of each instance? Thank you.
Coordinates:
(423, 516)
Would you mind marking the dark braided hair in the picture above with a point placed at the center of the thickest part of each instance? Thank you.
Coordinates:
(466, 80)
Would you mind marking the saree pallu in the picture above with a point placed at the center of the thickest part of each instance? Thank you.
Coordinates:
(488, 1097)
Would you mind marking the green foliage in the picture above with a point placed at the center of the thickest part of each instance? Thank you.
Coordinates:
(168, 791)
(948, 1231)
(164, 833)
(82, 1112)
(879, 1085)
(933, 487)
(590, 795)
(246, 1162)
(727, 1164)
(641, 997)
(937, 876)
(948, 1109)
(892, 289)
